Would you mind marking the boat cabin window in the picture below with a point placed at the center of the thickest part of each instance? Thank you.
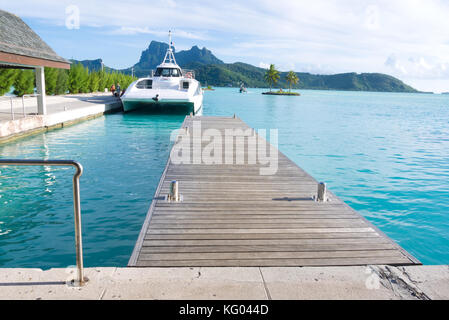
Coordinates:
(144, 84)
(167, 72)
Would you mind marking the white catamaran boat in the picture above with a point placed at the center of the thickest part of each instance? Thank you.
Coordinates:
(169, 89)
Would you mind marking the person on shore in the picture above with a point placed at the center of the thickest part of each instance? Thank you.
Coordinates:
(118, 89)
(113, 89)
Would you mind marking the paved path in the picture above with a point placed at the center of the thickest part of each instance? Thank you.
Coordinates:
(55, 104)
(372, 282)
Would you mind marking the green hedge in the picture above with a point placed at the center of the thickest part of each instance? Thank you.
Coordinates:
(58, 81)
(80, 80)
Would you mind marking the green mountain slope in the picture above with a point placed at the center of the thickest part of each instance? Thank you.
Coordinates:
(154, 54)
(212, 71)
(235, 73)
(92, 65)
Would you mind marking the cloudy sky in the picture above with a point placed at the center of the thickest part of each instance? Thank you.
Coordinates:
(408, 39)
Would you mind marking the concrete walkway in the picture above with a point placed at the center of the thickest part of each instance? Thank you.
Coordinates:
(373, 282)
(54, 104)
(60, 110)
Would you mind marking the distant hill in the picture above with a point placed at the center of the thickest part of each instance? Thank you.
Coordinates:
(154, 54)
(212, 71)
(235, 73)
(92, 65)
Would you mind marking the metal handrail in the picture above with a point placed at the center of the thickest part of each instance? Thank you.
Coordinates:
(34, 95)
(76, 202)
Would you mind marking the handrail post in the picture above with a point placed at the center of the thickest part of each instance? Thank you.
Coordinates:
(12, 110)
(77, 217)
(23, 105)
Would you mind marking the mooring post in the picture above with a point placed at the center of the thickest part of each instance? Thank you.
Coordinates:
(23, 106)
(174, 191)
(12, 110)
(322, 193)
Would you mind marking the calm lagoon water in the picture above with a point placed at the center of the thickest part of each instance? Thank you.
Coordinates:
(385, 154)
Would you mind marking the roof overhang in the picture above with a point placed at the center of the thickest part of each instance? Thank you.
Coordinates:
(17, 60)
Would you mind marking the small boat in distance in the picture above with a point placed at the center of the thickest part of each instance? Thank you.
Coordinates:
(169, 89)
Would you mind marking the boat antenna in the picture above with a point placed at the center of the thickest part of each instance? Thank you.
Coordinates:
(170, 56)
(169, 39)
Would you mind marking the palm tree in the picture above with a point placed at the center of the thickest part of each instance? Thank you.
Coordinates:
(272, 76)
(291, 78)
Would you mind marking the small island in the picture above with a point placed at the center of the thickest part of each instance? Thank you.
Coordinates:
(281, 93)
(272, 76)
(208, 88)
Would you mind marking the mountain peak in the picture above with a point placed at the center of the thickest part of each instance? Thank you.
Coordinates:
(154, 54)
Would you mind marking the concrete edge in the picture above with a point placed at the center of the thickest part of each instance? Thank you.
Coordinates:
(376, 282)
(113, 108)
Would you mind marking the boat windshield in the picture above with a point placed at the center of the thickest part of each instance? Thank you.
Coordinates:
(167, 72)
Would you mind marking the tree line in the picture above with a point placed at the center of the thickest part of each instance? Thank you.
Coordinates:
(59, 81)
(272, 76)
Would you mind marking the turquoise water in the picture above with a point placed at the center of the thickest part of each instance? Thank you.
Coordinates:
(123, 157)
(386, 155)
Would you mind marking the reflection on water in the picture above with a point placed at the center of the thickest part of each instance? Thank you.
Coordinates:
(123, 157)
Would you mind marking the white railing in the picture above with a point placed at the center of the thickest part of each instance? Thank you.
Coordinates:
(188, 73)
(12, 98)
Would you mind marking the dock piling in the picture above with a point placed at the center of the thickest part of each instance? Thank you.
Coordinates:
(322, 194)
(174, 191)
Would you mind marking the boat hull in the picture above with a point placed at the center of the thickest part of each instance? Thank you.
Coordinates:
(151, 106)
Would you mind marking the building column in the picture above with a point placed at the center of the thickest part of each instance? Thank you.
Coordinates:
(40, 85)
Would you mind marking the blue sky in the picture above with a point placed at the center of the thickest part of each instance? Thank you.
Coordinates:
(408, 39)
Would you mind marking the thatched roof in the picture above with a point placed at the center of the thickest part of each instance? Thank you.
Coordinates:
(18, 40)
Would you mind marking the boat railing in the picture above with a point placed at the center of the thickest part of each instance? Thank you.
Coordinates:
(80, 280)
(188, 73)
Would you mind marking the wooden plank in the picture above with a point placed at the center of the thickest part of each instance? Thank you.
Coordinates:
(255, 225)
(260, 230)
(251, 221)
(394, 261)
(260, 242)
(270, 255)
(233, 216)
(277, 248)
(255, 236)
(167, 217)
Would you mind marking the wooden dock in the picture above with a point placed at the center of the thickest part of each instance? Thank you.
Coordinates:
(230, 215)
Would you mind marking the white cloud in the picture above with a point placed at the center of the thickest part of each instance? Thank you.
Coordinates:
(326, 35)
(372, 18)
(419, 67)
(159, 33)
(135, 30)
(264, 65)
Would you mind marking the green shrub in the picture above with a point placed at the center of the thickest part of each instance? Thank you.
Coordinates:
(51, 77)
(24, 83)
(7, 78)
(62, 82)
